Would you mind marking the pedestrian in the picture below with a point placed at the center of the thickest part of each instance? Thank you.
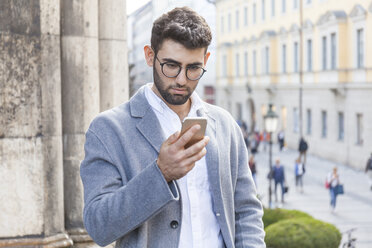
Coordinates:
(302, 148)
(369, 170)
(279, 178)
(299, 172)
(333, 179)
(142, 187)
(252, 166)
(281, 140)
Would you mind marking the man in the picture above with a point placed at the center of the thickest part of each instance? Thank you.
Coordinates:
(279, 178)
(369, 170)
(302, 148)
(142, 187)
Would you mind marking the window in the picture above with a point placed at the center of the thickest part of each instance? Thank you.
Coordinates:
(237, 64)
(263, 9)
(224, 66)
(341, 126)
(272, 7)
(209, 94)
(283, 6)
(295, 58)
(359, 130)
(333, 51)
(237, 19)
(254, 63)
(295, 4)
(324, 124)
(229, 22)
(266, 60)
(254, 13)
(295, 120)
(284, 118)
(284, 58)
(309, 55)
(246, 64)
(324, 53)
(222, 24)
(360, 48)
(245, 16)
(308, 121)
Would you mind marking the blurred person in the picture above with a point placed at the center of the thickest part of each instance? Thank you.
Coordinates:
(369, 170)
(281, 139)
(299, 172)
(333, 179)
(279, 178)
(142, 187)
(252, 166)
(302, 148)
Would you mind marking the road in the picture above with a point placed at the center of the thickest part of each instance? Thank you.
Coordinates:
(354, 208)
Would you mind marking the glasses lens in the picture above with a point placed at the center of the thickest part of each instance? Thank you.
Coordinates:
(171, 70)
(194, 73)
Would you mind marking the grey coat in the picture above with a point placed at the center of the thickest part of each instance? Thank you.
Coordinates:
(127, 199)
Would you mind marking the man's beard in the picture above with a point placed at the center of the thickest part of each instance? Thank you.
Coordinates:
(167, 96)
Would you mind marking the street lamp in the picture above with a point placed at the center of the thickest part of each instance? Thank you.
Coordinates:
(271, 123)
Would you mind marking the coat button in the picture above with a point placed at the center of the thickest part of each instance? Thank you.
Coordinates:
(174, 224)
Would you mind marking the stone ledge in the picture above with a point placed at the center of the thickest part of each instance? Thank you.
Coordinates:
(59, 240)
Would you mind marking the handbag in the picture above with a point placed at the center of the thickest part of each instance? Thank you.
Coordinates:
(326, 184)
(286, 188)
(339, 189)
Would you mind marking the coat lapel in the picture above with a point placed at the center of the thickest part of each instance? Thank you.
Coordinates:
(148, 124)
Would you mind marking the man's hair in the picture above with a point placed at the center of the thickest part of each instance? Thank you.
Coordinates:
(182, 25)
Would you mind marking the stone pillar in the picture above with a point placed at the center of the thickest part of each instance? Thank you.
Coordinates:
(80, 102)
(31, 171)
(113, 66)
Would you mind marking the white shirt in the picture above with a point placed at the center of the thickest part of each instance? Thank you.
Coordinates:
(199, 226)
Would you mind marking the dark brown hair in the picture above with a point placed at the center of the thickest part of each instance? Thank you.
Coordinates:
(182, 25)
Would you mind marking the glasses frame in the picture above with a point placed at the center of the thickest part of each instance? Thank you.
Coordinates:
(179, 71)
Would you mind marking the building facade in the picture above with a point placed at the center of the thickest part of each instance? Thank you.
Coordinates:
(310, 60)
(61, 63)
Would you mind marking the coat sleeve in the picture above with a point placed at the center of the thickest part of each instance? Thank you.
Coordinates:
(114, 206)
(249, 230)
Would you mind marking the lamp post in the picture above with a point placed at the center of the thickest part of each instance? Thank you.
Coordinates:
(271, 123)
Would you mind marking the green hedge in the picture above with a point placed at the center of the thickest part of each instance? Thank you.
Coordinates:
(272, 216)
(302, 232)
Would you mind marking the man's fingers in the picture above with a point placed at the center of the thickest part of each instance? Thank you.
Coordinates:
(197, 147)
(195, 157)
(186, 137)
(173, 138)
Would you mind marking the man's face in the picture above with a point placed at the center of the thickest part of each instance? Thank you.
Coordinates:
(177, 91)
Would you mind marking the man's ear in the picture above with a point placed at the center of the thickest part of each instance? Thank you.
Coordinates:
(206, 57)
(149, 55)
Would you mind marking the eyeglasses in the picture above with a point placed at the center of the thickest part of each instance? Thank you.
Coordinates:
(172, 70)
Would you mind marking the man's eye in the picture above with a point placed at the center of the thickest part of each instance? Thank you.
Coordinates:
(172, 66)
(194, 68)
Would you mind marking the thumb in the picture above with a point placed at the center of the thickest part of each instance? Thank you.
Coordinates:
(173, 138)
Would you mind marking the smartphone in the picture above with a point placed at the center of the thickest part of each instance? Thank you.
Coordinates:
(188, 122)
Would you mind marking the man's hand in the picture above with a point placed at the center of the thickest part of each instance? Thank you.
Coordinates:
(174, 160)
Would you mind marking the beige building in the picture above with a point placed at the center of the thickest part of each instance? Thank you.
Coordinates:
(260, 46)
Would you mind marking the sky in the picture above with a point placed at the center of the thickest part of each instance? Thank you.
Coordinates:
(133, 5)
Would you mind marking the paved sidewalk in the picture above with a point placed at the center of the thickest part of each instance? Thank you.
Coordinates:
(353, 209)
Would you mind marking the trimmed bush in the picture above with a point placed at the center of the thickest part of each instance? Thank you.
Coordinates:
(272, 216)
(302, 232)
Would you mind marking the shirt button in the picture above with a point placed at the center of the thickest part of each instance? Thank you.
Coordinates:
(218, 214)
(174, 224)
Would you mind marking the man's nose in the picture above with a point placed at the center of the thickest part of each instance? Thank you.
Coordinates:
(181, 79)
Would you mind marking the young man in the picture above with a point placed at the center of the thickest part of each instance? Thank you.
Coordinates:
(142, 187)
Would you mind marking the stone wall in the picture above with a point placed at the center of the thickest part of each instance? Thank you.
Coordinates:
(57, 71)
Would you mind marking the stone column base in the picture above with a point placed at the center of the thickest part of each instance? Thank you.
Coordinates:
(58, 240)
(82, 239)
